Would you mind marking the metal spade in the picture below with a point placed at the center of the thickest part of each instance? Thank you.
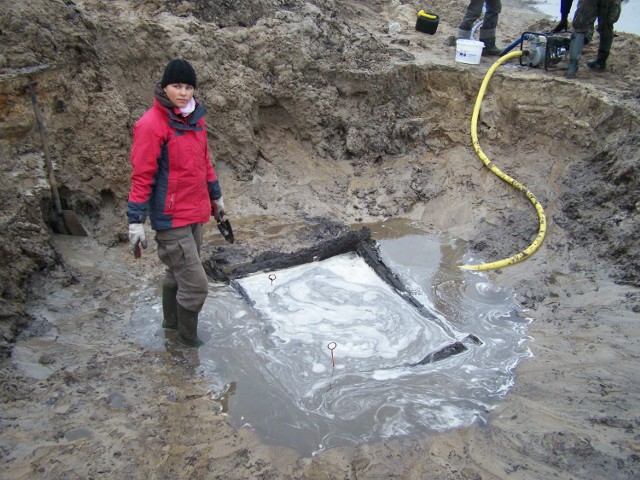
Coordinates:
(62, 221)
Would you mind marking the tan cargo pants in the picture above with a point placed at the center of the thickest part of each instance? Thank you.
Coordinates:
(179, 250)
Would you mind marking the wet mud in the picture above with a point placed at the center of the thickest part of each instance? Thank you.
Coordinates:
(354, 127)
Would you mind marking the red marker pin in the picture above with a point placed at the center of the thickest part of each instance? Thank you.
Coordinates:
(331, 346)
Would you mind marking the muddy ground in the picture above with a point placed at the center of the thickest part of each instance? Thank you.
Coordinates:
(319, 119)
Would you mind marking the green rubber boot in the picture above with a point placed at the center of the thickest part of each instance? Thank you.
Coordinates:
(575, 52)
(169, 308)
(600, 63)
(188, 328)
(490, 47)
(464, 34)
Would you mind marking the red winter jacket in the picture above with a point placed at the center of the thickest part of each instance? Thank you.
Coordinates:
(172, 178)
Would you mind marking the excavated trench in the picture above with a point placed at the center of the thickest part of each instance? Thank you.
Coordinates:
(321, 123)
(435, 349)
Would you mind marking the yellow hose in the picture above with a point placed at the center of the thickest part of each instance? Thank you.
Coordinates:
(474, 137)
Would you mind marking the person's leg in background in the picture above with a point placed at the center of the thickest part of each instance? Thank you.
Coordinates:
(583, 20)
(565, 9)
(608, 15)
(474, 10)
(489, 27)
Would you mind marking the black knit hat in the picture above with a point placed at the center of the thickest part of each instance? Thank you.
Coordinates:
(179, 71)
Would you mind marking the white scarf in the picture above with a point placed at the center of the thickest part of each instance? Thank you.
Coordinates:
(188, 108)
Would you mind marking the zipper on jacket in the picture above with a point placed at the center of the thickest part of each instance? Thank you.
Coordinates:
(171, 201)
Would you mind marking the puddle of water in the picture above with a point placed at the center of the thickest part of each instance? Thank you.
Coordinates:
(272, 362)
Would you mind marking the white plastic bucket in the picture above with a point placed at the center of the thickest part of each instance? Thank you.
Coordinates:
(468, 51)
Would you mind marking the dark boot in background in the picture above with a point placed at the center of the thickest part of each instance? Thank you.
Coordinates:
(188, 327)
(565, 9)
(600, 63)
(562, 26)
(488, 37)
(575, 51)
(169, 308)
(464, 34)
(490, 47)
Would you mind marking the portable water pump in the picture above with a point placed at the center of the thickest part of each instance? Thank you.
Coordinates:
(545, 50)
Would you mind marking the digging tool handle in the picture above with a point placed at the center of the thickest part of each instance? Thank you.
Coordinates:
(45, 146)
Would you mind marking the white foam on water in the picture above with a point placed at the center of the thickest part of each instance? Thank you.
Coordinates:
(340, 300)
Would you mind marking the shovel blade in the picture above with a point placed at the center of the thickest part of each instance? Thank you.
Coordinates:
(225, 229)
(72, 222)
(57, 224)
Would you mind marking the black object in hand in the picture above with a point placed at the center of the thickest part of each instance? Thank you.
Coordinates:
(225, 229)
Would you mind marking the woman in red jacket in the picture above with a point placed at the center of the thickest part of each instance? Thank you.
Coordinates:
(175, 185)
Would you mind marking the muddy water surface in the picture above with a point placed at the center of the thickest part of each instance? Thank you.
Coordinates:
(268, 363)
